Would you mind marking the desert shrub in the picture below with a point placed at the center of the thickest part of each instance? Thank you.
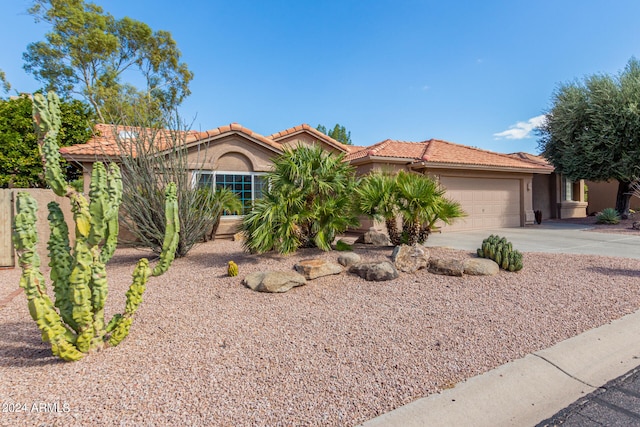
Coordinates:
(341, 245)
(151, 155)
(608, 216)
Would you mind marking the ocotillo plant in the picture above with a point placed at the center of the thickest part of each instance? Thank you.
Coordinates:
(79, 277)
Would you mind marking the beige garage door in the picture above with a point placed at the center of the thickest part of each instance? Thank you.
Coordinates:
(488, 202)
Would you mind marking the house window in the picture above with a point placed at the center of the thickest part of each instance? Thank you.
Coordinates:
(567, 189)
(249, 186)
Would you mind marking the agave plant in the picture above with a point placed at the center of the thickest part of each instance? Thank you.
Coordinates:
(608, 216)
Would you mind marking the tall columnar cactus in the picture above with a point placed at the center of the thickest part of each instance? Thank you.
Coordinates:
(501, 251)
(78, 276)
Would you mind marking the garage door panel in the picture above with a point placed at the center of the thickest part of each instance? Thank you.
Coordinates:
(488, 202)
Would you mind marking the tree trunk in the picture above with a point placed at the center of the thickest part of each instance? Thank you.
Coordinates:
(392, 231)
(623, 199)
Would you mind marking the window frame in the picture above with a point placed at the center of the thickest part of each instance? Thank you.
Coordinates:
(196, 177)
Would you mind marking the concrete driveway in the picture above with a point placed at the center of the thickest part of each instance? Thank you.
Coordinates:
(551, 237)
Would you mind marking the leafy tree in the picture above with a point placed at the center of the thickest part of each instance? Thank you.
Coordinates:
(88, 51)
(20, 160)
(414, 199)
(592, 130)
(309, 200)
(6, 86)
(339, 133)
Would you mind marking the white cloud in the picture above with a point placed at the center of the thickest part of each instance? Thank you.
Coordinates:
(426, 87)
(521, 130)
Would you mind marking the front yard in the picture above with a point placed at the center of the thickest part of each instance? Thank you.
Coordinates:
(205, 350)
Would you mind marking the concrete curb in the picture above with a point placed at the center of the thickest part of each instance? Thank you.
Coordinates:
(529, 390)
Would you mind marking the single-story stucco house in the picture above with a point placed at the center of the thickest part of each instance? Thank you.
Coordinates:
(494, 189)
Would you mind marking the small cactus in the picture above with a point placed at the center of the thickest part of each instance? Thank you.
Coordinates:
(232, 269)
(501, 251)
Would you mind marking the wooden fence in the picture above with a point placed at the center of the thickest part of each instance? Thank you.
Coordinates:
(7, 212)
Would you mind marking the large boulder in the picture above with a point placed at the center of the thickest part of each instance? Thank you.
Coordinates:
(447, 267)
(374, 237)
(274, 281)
(480, 267)
(375, 271)
(410, 258)
(314, 268)
(348, 258)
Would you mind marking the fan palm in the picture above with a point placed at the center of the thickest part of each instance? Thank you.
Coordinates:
(417, 199)
(309, 200)
(378, 199)
(217, 203)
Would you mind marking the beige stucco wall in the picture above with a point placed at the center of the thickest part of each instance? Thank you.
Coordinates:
(231, 153)
(602, 195)
(367, 168)
(544, 195)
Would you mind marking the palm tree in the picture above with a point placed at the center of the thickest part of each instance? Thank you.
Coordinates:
(415, 198)
(449, 210)
(378, 199)
(308, 201)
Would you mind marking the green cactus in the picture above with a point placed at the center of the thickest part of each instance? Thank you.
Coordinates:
(232, 269)
(79, 276)
(501, 251)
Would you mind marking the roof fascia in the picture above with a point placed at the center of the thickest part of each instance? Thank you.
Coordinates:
(459, 166)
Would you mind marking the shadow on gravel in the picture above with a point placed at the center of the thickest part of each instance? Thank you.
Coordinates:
(21, 345)
(615, 271)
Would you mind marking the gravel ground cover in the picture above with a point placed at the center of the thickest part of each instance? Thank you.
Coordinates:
(205, 350)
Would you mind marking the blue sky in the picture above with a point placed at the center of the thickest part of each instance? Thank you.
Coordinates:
(472, 72)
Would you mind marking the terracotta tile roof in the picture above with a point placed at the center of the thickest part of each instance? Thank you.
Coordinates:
(235, 127)
(305, 127)
(434, 152)
(531, 158)
(105, 141)
(438, 152)
(391, 148)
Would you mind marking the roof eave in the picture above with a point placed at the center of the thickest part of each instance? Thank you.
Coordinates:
(381, 159)
(488, 168)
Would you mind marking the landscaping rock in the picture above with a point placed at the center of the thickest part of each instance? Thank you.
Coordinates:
(314, 268)
(480, 267)
(447, 267)
(274, 281)
(349, 258)
(374, 237)
(636, 225)
(375, 271)
(410, 258)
